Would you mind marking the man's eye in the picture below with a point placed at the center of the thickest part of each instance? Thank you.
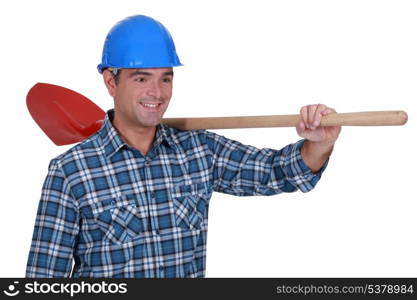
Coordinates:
(140, 79)
(167, 80)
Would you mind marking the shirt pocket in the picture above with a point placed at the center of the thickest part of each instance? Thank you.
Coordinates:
(190, 205)
(120, 219)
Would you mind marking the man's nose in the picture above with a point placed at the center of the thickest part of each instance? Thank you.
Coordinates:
(154, 90)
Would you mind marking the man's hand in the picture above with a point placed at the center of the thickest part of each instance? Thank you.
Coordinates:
(320, 139)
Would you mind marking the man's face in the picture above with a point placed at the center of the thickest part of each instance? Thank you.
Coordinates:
(141, 96)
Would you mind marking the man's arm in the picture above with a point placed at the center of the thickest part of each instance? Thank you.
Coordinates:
(319, 140)
(244, 170)
(56, 229)
(316, 154)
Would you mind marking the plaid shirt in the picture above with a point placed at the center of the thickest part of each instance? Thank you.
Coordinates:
(116, 213)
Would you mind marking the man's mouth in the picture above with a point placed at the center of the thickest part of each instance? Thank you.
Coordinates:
(150, 105)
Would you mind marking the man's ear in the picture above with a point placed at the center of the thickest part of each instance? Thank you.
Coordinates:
(109, 82)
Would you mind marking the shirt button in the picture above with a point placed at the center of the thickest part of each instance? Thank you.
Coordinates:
(161, 268)
(147, 163)
(153, 195)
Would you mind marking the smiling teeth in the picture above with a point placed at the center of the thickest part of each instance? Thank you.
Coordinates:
(150, 105)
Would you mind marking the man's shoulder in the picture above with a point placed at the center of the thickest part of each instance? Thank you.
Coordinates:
(193, 138)
(184, 137)
(87, 148)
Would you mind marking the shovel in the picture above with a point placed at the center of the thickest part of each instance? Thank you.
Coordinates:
(65, 116)
(68, 117)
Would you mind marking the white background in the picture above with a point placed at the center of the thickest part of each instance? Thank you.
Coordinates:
(242, 58)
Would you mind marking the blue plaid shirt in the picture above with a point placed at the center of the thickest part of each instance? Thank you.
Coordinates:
(108, 211)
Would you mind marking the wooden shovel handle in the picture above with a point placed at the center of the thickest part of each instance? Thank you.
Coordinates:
(371, 118)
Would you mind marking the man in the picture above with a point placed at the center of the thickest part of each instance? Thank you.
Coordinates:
(132, 200)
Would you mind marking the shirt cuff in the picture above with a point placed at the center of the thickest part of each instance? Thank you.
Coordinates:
(300, 174)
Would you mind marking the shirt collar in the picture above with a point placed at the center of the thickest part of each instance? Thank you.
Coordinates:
(112, 142)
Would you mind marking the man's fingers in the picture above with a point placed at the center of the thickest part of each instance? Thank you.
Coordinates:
(327, 111)
(301, 127)
(318, 114)
(304, 116)
(311, 114)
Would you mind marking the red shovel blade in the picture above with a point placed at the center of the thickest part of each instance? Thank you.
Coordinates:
(65, 116)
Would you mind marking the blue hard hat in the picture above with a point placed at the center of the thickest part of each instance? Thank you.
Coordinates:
(138, 42)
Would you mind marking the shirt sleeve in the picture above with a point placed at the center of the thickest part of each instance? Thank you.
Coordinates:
(56, 229)
(244, 170)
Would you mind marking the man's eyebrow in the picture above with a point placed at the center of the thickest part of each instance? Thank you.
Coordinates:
(135, 73)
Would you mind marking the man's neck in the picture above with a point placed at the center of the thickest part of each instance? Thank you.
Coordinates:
(140, 138)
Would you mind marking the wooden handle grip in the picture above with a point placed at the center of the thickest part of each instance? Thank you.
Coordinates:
(371, 118)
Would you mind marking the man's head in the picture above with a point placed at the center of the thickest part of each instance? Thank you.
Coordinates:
(141, 96)
(138, 56)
